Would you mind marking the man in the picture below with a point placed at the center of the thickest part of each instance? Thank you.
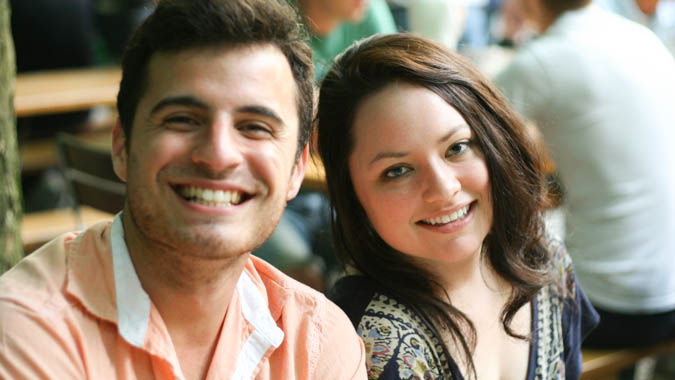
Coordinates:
(211, 98)
(335, 24)
(601, 88)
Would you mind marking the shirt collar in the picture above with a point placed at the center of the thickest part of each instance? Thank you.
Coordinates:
(133, 305)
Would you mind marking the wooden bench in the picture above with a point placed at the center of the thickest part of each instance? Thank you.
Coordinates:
(606, 364)
(38, 228)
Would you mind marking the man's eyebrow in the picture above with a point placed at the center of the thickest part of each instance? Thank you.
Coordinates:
(262, 111)
(180, 101)
(390, 154)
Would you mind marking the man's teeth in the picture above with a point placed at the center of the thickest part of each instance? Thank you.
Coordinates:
(210, 197)
(445, 219)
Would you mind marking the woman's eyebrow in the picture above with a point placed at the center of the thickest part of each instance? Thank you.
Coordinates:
(382, 155)
(394, 154)
(452, 131)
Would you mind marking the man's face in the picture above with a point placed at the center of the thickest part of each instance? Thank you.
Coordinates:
(211, 161)
(348, 10)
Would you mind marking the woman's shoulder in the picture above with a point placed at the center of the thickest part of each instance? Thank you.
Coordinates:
(564, 316)
(399, 344)
(352, 294)
(563, 281)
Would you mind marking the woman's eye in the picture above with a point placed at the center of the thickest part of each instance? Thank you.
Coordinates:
(396, 172)
(458, 148)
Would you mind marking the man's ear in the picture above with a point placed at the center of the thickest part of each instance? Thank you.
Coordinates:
(298, 173)
(119, 151)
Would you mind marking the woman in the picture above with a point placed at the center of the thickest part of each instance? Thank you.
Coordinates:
(438, 196)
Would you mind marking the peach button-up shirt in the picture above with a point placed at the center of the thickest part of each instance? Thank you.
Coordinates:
(75, 309)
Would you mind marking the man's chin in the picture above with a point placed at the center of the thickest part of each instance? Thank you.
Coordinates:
(212, 245)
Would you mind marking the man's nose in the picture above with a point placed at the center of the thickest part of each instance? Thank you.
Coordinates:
(219, 148)
(441, 183)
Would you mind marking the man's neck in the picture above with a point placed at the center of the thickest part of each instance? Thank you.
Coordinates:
(191, 293)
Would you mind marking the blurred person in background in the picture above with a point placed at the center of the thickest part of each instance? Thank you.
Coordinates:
(657, 15)
(335, 24)
(444, 21)
(600, 89)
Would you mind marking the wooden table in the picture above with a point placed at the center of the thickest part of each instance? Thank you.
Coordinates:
(55, 91)
(606, 364)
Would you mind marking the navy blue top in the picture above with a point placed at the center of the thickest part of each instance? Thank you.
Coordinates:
(401, 345)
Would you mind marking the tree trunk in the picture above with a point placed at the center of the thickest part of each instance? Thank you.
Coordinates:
(11, 247)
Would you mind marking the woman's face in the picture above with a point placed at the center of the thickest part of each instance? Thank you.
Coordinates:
(420, 175)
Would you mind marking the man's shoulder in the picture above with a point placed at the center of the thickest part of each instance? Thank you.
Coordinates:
(296, 306)
(33, 303)
(40, 279)
(41, 324)
(314, 327)
(284, 293)
(43, 271)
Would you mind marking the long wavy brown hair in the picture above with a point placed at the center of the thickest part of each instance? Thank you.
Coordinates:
(514, 245)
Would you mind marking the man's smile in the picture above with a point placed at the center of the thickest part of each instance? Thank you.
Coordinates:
(211, 197)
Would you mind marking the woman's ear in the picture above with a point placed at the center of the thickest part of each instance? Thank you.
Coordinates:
(119, 151)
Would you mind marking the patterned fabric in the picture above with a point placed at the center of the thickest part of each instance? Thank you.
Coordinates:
(397, 341)
(399, 345)
(549, 347)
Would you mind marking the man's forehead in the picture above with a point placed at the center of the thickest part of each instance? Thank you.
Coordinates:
(253, 74)
(256, 52)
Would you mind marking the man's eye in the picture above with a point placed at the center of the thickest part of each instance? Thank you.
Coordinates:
(396, 172)
(256, 129)
(181, 121)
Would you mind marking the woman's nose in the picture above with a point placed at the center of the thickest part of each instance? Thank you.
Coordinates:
(441, 183)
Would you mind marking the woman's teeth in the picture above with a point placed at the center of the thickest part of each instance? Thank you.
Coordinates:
(445, 219)
(210, 197)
